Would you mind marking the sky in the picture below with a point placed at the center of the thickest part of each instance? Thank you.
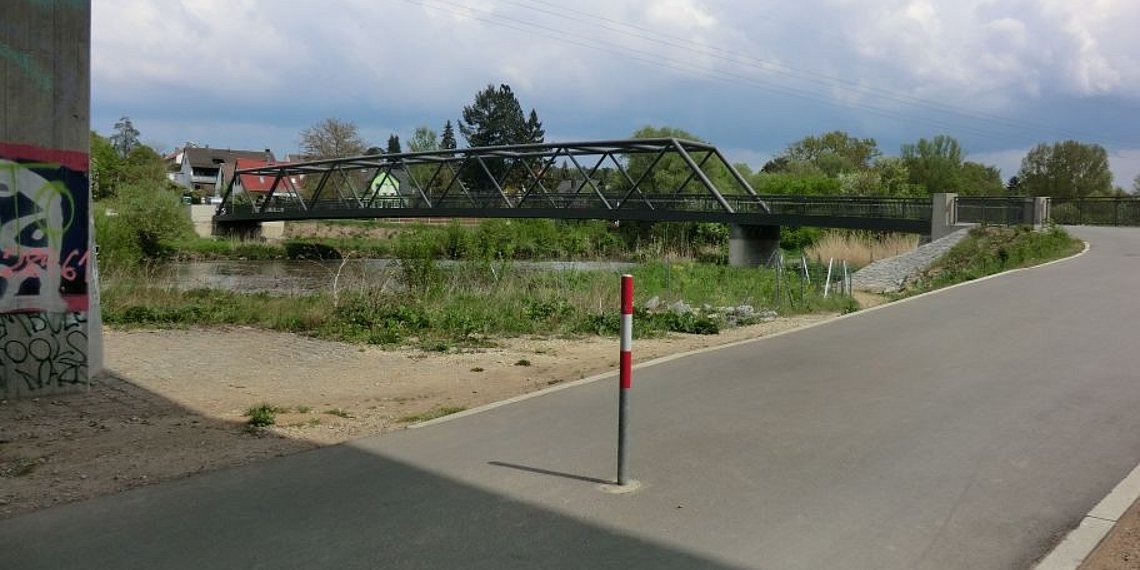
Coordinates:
(750, 76)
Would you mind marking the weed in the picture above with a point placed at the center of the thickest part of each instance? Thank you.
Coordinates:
(339, 412)
(303, 409)
(522, 362)
(263, 415)
(477, 369)
(431, 414)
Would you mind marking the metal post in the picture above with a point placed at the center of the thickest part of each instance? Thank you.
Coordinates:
(625, 372)
(827, 282)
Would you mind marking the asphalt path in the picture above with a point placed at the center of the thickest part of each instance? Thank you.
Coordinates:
(971, 428)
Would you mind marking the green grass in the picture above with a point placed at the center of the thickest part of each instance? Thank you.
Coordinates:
(431, 414)
(470, 304)
(263, 415)
(992, 249)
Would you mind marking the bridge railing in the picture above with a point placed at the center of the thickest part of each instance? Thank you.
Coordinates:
(1099, 211)
(997, 210)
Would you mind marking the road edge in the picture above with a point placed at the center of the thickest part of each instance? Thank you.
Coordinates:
(1080, 542)
(671, 357)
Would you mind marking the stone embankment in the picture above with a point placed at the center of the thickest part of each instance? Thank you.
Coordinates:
(891, 274)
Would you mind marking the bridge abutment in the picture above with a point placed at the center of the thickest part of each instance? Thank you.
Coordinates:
(752, 246)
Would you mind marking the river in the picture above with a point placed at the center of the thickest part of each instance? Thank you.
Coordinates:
(296, 277)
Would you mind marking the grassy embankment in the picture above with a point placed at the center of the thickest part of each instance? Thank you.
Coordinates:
(993, 249)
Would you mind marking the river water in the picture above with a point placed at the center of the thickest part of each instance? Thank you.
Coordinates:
(297, 277)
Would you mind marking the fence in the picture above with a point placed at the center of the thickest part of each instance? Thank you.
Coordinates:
(1103, 211)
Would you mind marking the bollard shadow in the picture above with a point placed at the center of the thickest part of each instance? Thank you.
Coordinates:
(541, 471)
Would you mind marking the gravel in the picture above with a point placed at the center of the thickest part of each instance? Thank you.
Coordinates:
(889, 275)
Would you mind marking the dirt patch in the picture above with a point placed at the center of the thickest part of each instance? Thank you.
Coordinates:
(175, 401)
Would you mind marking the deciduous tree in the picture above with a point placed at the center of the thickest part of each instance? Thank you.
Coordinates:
(1066, 169)
(126, 137)
(935, 164)
(331, 138)
(423, 139)
(834, 153)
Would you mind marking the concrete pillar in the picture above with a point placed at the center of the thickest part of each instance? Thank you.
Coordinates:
(50, 331)
(752, 246)
(1041, 213)
(944, 215)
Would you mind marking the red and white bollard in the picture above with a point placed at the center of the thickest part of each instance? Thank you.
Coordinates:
(625, 374)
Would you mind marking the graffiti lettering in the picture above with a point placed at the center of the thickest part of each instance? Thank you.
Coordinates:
(34, 262)
(37, 218)
(40, 351)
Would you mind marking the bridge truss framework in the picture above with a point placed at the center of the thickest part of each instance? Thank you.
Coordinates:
(664, 179)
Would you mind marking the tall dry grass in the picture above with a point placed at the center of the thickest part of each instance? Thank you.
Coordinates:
(861, 248)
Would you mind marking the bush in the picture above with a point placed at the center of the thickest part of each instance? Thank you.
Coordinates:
(140, 224)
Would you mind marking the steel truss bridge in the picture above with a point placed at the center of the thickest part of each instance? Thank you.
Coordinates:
(638, 179)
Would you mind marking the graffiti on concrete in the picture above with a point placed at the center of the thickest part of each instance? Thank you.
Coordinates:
(25, 63)
(43, 237)
(44, 261)
(42, 350)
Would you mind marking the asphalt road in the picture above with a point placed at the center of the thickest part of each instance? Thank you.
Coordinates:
(967, 429)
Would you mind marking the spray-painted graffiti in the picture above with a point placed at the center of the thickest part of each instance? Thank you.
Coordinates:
(43, 237)
(44, 261)
(41, 351)
(24, 62)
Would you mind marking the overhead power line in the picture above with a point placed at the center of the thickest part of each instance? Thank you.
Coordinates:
(920, 110)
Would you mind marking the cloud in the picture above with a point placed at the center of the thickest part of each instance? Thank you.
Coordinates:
(740, 73)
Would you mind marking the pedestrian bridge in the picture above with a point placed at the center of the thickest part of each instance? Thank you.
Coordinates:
(656, 180)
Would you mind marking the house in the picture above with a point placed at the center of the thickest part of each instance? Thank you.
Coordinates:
(256, 186)
(197, 168)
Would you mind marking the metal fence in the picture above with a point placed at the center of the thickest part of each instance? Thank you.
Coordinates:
(1013, 210)
(1108, 211)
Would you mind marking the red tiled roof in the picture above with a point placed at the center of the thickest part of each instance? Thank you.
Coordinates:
(258, 183)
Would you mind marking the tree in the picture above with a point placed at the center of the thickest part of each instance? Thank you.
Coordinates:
(423, 140)
(534, 131)
(980, 180)
(1067, 169)
(447, 139)
(834, 153)
(1013, 187)
(1136, 185)
(394, 144)
(496, 118)
(125, 137)
(142, 166)
(106, 167)
(935, 164)
(331, 138)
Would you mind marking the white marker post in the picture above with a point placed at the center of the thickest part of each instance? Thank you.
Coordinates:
(624, 375)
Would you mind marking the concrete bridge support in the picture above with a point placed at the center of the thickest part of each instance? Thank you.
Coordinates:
(202, 215)
(752, 246)
(50, 332)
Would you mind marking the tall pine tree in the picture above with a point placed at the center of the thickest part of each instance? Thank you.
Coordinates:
(447, 139)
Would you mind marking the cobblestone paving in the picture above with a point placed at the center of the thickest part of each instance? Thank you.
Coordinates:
(889, 275)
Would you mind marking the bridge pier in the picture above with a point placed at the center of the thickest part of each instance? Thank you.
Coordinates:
(752, 246)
